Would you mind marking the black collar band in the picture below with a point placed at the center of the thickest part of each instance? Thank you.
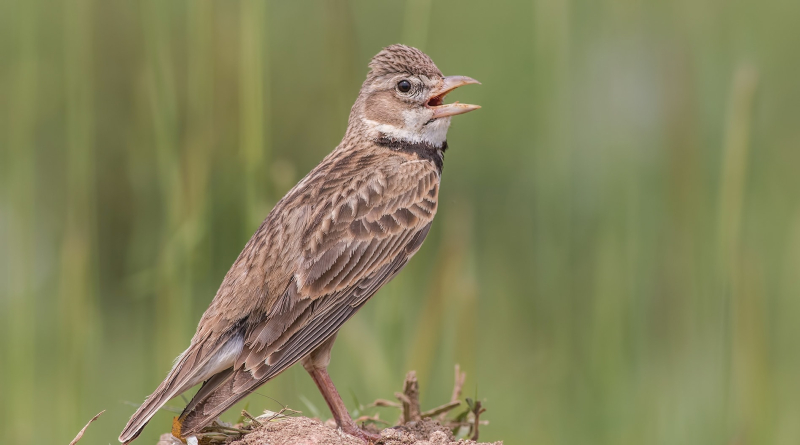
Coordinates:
(423, 150)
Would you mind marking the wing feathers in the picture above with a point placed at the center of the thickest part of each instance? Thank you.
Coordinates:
(356, 242)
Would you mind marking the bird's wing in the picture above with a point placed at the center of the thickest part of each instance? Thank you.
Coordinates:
(357, 241)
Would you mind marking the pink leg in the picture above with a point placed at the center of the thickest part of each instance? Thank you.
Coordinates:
(335, 403)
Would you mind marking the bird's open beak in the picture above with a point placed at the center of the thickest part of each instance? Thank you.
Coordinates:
(436, 102)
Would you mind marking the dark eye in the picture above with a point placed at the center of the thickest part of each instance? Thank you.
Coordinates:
(404, 86)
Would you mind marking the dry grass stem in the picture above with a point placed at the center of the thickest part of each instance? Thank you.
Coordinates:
(252, 419)
(83, 430)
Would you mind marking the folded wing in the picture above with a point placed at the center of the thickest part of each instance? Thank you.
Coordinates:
(357, 241)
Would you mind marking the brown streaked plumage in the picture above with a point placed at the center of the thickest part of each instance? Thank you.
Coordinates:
(339, 235)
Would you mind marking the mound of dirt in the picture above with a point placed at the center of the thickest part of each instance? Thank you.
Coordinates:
(305, 431)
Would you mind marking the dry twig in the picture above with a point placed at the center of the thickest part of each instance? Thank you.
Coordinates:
(441, 410)
(410, 399)
(386, 403)
(375, 419)
(477, 411)
(458, 383)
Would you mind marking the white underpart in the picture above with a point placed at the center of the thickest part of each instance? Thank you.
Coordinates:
(416, 129)
(191, 440)
(223, 359)
(220, 361)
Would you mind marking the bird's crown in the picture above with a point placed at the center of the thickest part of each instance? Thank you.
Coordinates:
(403, 59)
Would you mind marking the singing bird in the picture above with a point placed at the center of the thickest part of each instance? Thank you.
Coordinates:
(340, 234)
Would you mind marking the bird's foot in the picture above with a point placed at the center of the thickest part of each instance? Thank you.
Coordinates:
(352, 429)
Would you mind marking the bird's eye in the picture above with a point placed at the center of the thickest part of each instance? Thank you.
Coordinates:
(404, 86)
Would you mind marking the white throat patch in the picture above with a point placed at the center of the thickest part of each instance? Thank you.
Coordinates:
(434, 133)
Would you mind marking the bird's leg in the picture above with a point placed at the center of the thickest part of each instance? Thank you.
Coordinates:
(335, 403)
(316, 364)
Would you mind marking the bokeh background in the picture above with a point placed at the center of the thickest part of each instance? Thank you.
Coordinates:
(616, 258)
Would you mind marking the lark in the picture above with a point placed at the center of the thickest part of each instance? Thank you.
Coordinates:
(323, 251)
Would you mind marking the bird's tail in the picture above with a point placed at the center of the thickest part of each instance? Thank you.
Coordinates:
(217, 395)
(180, 378)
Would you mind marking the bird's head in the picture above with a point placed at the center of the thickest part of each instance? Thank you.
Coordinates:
(403, 98)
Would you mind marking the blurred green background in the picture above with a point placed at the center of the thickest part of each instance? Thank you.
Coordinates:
(616, 258)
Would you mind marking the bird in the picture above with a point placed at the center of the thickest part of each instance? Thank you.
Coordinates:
(346, 229)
